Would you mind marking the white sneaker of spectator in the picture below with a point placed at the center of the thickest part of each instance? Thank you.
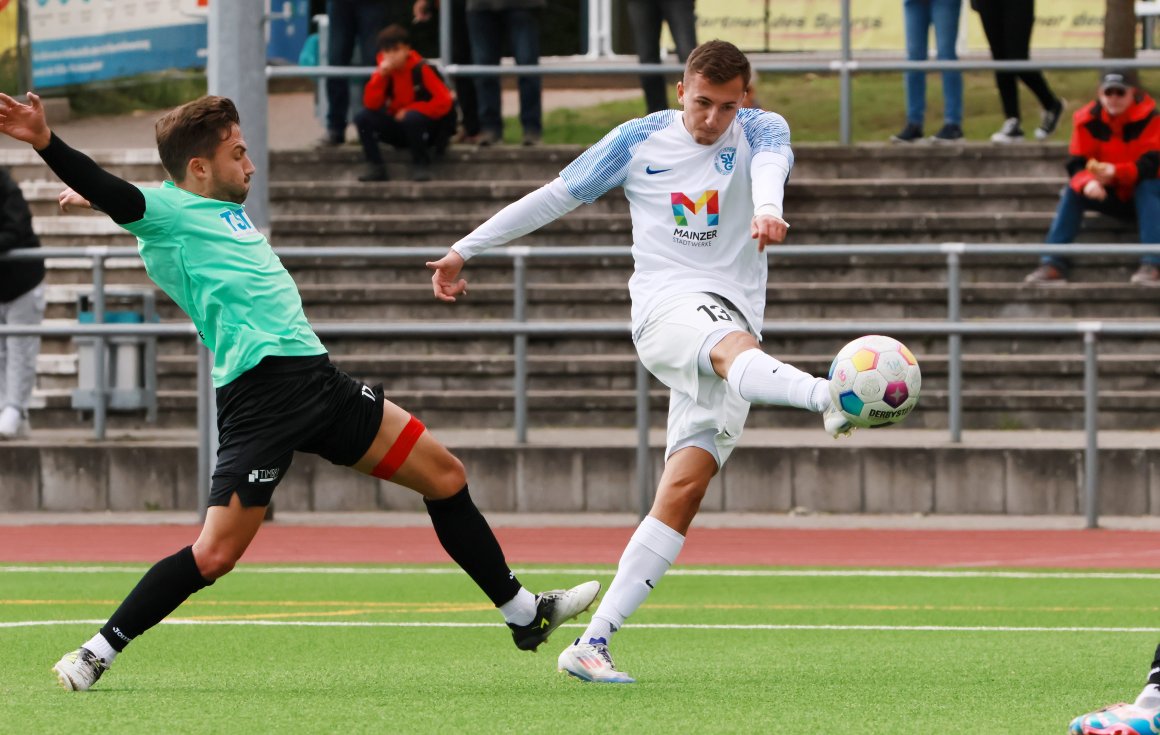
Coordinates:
(1009, 133)
(13, 424)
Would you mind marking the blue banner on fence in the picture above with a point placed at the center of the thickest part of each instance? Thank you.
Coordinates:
(78, 41)
(90, 40)
(112, 55)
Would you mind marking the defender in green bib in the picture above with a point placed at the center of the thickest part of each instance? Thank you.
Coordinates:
(277, 390)
(204, 253)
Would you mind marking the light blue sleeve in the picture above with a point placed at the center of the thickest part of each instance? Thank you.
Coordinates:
(604, 166)
(765, 132)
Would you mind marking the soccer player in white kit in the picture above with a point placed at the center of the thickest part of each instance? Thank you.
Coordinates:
(705, 188)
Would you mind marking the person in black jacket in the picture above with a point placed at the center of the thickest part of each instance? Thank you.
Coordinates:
(1007, 24)
(21, 302)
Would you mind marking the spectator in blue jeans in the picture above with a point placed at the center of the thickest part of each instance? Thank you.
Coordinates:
(488, 21)
(1114, 163)
(646, 17)
(919, 16)
(350, 21)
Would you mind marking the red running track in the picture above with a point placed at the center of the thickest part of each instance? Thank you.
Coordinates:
(717, 546)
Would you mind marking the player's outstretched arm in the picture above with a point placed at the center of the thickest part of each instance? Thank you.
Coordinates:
(110, 194)
(529, 213)
(445, 280)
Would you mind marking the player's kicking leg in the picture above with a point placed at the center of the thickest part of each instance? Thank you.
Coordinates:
(228, 530)
(405, 453)
(1141, 717)
(763, 379)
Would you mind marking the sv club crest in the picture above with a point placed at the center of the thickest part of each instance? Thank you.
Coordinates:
(725, 160)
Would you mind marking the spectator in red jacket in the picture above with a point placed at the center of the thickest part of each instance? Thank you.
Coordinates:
(407, 105)
(1114, 163)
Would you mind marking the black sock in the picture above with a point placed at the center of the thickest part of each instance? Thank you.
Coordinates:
(165, 586)
(468, 540)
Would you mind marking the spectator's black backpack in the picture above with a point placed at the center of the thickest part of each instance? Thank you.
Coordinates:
(445, 128)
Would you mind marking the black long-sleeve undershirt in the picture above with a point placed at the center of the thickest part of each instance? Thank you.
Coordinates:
(110, 194)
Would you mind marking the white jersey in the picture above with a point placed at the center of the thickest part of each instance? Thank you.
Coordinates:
(691, 205)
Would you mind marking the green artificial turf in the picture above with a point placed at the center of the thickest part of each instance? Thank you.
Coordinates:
(853, 669)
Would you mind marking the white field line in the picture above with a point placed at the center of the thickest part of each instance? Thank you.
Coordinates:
(655, 626)
(808, 573)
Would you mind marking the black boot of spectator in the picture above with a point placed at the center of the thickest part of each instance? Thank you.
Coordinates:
(374, 172)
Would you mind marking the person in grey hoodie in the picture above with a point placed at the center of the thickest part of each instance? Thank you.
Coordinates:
(21, 302)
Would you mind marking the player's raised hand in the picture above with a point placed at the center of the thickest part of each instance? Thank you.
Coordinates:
(24, 122)
(767, 229)
(69, 198)
(445, 280)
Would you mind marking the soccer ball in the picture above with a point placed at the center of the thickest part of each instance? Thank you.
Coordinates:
(875, 381)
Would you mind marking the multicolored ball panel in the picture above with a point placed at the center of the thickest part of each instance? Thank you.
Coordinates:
(896, 394)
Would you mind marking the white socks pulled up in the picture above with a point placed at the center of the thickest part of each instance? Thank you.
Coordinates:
(763, 379)
(650, 552)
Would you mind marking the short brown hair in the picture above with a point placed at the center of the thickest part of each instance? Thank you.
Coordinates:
(392, 36)
(194, 130)
(719, 62)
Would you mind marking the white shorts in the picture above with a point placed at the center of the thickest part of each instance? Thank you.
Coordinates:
(704, 410)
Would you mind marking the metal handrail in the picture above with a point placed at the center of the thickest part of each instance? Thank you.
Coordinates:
(820, 65)
(951, 251)
(845, 67)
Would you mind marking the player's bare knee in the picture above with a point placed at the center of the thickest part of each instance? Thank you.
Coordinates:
(451, 476)
(214, 561)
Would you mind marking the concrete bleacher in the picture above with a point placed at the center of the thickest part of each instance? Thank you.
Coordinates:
(866, 194)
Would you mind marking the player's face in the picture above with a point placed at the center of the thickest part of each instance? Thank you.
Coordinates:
(230, 169)
(709, 108)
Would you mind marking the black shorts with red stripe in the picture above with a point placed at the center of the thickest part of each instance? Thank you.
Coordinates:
(285, 405)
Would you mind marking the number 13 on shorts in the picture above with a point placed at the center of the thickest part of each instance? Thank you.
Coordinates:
(715, 312)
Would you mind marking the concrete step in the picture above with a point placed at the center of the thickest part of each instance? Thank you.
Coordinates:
(597, 301)
(484, 198)
(1048, 408)
(578, 372)
(900, 470)
(856, 271)
(585, 228)
(507, 163)
(812, 161)
(582, 228)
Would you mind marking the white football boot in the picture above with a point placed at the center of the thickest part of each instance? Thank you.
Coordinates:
(591, 661)
(79, 670)
(552, 609)
(836, 423)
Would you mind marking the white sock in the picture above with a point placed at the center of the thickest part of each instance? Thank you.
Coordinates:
(762, 378)
(650, 552)
(1149, 698)
(521, 609)
(98, 645)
